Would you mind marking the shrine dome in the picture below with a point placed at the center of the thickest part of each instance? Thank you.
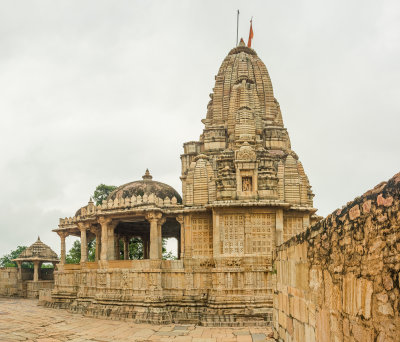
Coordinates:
(38, 251)
(146, 186)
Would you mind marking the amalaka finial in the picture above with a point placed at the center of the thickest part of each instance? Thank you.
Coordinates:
(38, 238)
(91, 199)
(147, 175)
(242, 43)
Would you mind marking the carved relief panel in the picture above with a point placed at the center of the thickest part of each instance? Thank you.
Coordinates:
(292, 225)
(260, 233)
(202, 243)
(247, 233)
(232, 234)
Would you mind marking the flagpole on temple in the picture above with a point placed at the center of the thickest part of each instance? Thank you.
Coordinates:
(251, 34)
(237, 27)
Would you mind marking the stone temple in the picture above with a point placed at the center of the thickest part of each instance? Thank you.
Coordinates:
(244, 191)
(251, 250)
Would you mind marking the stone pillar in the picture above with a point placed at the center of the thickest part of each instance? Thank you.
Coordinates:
(145, 240)
(126, 248)
(98, 246)
(19, 265)
(36, 270)
(62, 236)
(279, 227)
(107, 238)
(181, 240)
(84, 245)
(160, 222)
(116, 248)
(155, 235)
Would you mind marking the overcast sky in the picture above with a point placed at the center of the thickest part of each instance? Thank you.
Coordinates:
(97, 91)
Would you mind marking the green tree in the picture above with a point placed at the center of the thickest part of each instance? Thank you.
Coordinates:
(135, 249)
(5, 261)
(101, 193)
(74, 254)
(166, 255)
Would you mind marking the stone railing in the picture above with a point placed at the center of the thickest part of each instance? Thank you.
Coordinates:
(339, 280)
(128, 203)
(71, 267)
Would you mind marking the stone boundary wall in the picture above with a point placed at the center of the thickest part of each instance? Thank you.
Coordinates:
(339, 280)
(8, 281)
(11, 286)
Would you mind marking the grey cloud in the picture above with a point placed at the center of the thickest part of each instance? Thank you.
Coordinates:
(96, 91)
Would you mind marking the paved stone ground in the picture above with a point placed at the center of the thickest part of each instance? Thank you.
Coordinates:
(23, 320)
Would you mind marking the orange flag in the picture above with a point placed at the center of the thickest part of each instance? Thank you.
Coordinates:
(251, 34)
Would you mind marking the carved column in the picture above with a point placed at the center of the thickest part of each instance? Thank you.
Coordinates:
(126, 248)
(62, 236)
(19, 265)
(155, 235)
(36, 270)
(160, 222)
(84, 245)
(98, 246)
(279, 227)
(97, 233)
(116, 248)
(145, 241)
(107, 238)
(181, 240)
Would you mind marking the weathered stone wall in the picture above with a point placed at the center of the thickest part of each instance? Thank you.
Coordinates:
(8, 281)
(339, 280)
(11, 286)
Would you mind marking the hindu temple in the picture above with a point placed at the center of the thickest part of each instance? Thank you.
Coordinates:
(244, 191)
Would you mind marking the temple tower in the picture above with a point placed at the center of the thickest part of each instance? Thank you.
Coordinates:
(244, 159)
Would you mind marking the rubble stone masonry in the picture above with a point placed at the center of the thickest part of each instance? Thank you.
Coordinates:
(339, 279)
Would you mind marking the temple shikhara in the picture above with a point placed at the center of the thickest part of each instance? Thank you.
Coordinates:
(244, 192)
(251, 251)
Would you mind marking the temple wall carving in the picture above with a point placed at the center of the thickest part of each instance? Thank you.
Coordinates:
(202, 235)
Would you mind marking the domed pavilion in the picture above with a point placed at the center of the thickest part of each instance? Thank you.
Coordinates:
(133, 210)
(244, 192)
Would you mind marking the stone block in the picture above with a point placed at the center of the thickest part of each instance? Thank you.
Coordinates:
(309, 333)
(323, 331)
(354, 212)
(362, 333)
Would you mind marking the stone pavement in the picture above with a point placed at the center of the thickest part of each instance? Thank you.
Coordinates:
(23, 320)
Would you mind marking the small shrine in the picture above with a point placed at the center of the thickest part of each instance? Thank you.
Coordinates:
(37, 254)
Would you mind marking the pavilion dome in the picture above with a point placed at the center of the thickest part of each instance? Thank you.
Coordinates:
(146, 186)
(38, 251)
